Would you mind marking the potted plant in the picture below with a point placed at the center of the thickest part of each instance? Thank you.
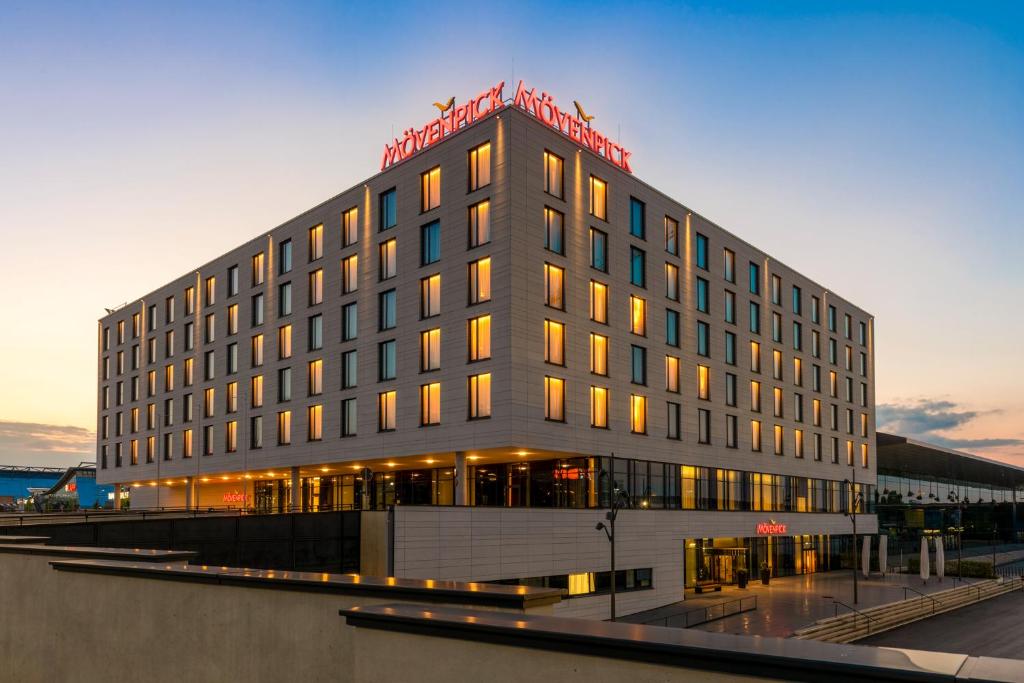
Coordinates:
(766, 573)
(741, 578)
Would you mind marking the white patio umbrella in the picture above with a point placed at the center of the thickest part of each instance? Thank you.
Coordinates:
(865, 557)
(940, 558)
(924, 559)
(883, 553)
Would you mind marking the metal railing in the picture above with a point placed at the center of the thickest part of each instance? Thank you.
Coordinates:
(923, 596)
(34, 518)
(867, 617)
(702, 615)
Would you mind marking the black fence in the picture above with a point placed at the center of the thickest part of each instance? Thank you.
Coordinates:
(313, 541)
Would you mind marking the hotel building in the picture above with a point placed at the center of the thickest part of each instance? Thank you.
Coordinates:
(497, 335)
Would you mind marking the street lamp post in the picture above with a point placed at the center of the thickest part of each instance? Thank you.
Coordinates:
(609, 531)
(855, 498)
(955, 497)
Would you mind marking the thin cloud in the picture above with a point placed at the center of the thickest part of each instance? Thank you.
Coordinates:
(924, 419)
(33, 443)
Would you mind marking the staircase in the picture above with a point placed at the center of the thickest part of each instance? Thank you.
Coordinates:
(854, 625)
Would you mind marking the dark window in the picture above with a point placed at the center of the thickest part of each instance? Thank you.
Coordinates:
(639, 365)
(700, 254)
(430, 243)
(637, 267)
(388, 209)
(703, 339)
(598, 250)
(637, 218)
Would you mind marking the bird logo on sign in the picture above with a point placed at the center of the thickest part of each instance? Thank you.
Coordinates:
(586, 118)
(445, 107)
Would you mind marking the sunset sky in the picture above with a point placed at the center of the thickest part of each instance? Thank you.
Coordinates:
(879, 150)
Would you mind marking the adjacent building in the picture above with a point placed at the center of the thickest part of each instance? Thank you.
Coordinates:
(499, 334)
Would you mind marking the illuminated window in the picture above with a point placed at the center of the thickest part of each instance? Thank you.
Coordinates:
(554, 183)
(554, 230)
(134, 423)
(598, 354)
(703, 382)
(256, 391)
(430, 350)
(386, 411)
(231, 397)
(349, 417)
(864, 424)
(638, 316)
(638, 414)
(833, 383)
(598, 250)
(316, 242)
(672, 374)
(186, 443)
(637, 218)
(211, 292)
(479, 396)
(133, 449)
(598, 198)
(778, 400)
(849, 453)
(776, 364)
(231, 436)
(209, 402)
(430, 296)
(755, 435)
(480, 224)
(480, 280)
(387, 260)
(729, 265)
(480, 166)
(284, 428)
(151, 383)
(430, 404)
(232, 319)
(315, 372)
(554, 281)
(284, 341)
(350, 227)
(672, 236)
(430, 189)
(479, 337)
(816, 412)
(388, 209)
(554, 342)
(168, 378)
(188, 371)
(598, 302)
(554, 399)
(599, 407)
(798, 443)
(755, 396)
(863, 455)
(349, 278)
(672, 282)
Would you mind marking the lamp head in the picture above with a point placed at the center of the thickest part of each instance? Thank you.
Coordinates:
(600, 526)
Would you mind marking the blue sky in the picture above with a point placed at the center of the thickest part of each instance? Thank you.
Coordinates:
(877, 147)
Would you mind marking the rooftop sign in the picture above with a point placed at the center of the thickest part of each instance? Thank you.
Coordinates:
(454, 117)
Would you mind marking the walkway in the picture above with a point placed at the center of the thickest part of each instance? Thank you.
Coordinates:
(987, 629)
(794, 601)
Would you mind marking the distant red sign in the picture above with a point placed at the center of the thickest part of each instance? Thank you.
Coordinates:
(770, 528)
(233, 497)
(71, 487)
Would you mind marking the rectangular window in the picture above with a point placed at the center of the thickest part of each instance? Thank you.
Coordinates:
(232, 358)
(554, 342)
(209, 402)
(777, 364)
(554, 183)
(598, 354)
(315, 377)
(430, 404)
(284, 428)
(211, 298)
(730, 348)
(349, 416)
(386, 417)
(554, 399)
(777, 402)
(315, 333)
(284, 341)
(755, 435)
(755, 396)
(209, 328)
(257, 269)
(256, 432)
(388, 203)
(387, 360)
(349, 322)
(430, 296)
(779, 445)
(598, 198)
(703, 339)
(231, 437)
(479, 337)
(316, 242)
(672, 282)
(831, 318)
(316, 283)
(671, 327)
(284, 385)
(284, 299)
(730, 389)
(797, 301)
(730, 431)
(729, 265)
(700, 253)
(209, 365)
(638, 316)
(387, 304)
(480, 281)
(430, 243)
(430, 350)
(257, 310)
(387, 259)
(350, 227)
(638, 364)
(349, 275)
(637, 218)
(430, 189)
(672, 374)
(638, 414)
(256, 391)
(284, 258)
(598, 302)
(672, 236)
(798, 336)
(703, 425)
(862, 334)
(637, 267)
(479, 396)
(599, 407)
(674, 419)
(703, 305)
(190, 305)
(598, 250)
(554, 230)
(480, 224)
(755, 317)
(349, 369)
(798, 372)
(730, 307)
(776, 291)
(776, 327)
(480, 166)
(755, 278)
(554, 283)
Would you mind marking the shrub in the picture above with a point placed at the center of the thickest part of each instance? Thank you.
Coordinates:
(972, 568)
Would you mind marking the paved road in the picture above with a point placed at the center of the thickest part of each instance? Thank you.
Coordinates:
(993, 628)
